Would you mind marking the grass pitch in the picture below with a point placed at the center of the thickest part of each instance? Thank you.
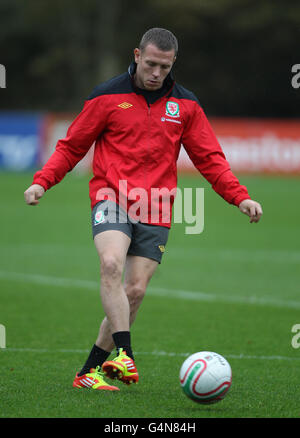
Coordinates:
(233, 289)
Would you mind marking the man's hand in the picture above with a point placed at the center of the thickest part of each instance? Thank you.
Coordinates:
(33, 194)
(252, 209)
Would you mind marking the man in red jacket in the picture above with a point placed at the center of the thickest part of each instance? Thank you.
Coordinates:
(138, 122)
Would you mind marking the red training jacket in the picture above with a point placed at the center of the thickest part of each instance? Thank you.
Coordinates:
(138, 143)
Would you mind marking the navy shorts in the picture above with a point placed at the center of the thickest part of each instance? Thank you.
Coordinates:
(146, 240)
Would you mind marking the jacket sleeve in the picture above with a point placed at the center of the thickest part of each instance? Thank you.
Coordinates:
(81, 134)
(207, 156)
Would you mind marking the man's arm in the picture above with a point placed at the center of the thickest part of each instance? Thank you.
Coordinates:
(81, 134)
(206, 154)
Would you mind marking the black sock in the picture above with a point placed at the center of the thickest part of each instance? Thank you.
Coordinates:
(122, 340)
(96, 357)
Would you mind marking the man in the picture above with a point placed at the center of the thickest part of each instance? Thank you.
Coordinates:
(138, 121)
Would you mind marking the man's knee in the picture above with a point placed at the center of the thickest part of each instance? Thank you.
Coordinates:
(135, 292)
(111, 267)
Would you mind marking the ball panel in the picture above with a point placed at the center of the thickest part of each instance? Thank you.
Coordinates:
(190, 367)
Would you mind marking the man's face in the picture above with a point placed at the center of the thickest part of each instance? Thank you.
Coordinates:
(153, 66)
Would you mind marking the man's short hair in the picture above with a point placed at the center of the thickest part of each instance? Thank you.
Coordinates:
(163, 39)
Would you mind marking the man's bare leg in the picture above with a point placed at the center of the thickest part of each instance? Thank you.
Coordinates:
(138, 272)
(112, 247)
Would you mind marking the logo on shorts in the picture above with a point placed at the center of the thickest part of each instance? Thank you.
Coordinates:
(162, 248)
(99, 217)
(172, 109)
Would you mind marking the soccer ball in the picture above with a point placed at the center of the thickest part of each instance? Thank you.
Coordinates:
(205, 377)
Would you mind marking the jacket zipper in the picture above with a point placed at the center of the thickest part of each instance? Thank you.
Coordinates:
(148, 148)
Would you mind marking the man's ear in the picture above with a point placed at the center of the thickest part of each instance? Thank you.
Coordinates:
(137, 54)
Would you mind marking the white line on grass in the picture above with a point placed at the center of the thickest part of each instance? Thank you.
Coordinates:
(49, 280)
(250, 255)
(152, 291)
(279, 255)
(150, 353)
